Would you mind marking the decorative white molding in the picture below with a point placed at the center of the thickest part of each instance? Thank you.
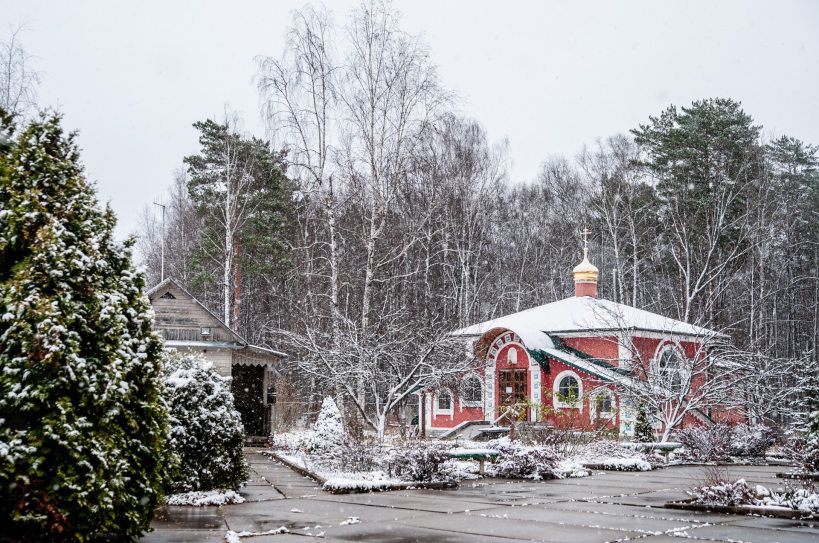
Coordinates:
(556, 401)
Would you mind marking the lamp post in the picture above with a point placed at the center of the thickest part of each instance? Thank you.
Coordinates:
(162, 272)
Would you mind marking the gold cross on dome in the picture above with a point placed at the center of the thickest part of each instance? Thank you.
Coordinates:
(585, 233)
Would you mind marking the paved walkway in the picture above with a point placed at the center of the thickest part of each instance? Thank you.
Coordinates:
(608, 506)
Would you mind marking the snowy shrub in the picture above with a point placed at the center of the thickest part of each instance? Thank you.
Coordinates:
(351, 456)
(82, 422)
(751, 441)
(418, 461)
(724, 493)
(517, 460)
(612, 456)
(722, 441)
(329, 428)
(706, 444)
(206, 432)
(802, 499)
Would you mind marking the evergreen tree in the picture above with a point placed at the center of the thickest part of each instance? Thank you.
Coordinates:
(238, 187)
(643, 432)
(810, 454)
(704, 157)
(809, 386)
(82, 421)
(329, 428)
(206, 431)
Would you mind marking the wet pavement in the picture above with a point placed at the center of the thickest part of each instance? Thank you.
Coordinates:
(608, 506)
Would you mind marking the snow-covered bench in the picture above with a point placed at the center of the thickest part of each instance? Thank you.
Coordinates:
(480, 455)
(663, 448)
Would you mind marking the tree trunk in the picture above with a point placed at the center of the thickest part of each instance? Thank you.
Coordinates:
(237, 291)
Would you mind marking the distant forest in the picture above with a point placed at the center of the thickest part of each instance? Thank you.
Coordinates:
(373, 212)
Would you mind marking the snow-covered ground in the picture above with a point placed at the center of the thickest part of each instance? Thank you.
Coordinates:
(371, 465)
(198, 499)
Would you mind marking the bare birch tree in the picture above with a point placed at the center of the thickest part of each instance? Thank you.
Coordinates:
(18, 80)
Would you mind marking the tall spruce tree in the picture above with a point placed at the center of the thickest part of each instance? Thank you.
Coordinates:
(82, 423)
(239, 188)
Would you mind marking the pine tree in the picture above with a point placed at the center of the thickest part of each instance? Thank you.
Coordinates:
(643, 433)
(206, 431)
(808, 383)
(82, 422)
(810, 454)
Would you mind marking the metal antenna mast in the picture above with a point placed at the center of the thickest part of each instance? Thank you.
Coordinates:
(162, 276)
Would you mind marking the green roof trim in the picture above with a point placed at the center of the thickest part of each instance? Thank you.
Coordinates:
(541, 358)
(561, 346)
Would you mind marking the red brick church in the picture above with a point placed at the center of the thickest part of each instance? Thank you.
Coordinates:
(568, 353)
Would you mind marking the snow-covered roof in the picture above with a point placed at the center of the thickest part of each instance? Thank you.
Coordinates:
(583, 314)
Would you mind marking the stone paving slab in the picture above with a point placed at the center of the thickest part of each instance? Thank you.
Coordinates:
(807, 527)
(519, 529)
(407, 501)
(177, 517)
(694, 517)
(401, 533)
(731, 533)
(184, 536)
(582, 518)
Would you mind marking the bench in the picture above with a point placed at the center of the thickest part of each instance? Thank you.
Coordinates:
(474, 454)
(663, 448)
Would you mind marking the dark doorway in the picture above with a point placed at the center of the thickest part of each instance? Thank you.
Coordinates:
(512, 387)
(248, 397)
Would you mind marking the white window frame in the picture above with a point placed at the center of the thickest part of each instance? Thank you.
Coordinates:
(436, 410)
(462, 400)
(683, 370)
(556, 401)
(595, 395)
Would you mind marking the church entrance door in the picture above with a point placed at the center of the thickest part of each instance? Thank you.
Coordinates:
(512, 387)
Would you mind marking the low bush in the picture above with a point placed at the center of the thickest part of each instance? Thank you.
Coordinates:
(350, 456)
(517, 460)
(751, 441)
(720, 442)
(724, 493)
(610, 454)
(418, 461)
(206, 431)
(706, 444)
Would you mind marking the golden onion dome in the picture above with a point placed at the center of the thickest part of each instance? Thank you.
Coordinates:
(585, 271)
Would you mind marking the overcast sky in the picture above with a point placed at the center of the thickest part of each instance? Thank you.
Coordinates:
(550, 76)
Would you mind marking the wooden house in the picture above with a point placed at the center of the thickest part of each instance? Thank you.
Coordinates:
(188, 326)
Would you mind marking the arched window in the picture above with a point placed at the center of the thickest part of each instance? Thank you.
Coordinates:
(670, 367)
(569, 389)
(604, 404)
(472, 389)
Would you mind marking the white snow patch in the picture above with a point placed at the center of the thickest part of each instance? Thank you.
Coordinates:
(198, 499)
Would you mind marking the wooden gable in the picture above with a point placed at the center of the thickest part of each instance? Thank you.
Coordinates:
(180, 317)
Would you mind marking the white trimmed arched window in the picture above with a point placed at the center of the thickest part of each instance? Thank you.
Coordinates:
(671, 368)
(568, 390)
